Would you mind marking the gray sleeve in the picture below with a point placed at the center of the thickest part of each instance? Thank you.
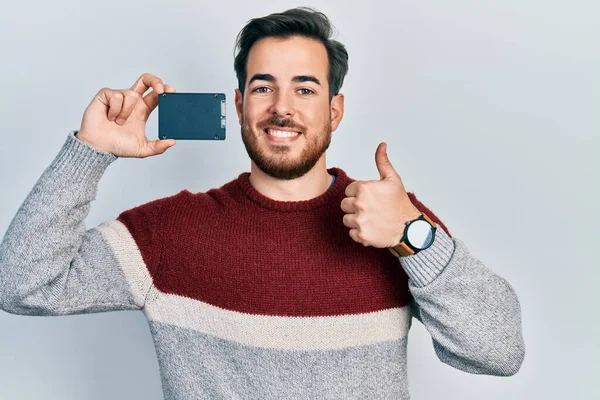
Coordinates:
(472, 314)
(50, 264)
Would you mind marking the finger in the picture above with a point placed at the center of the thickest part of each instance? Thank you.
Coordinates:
(146, 81)
(151, 99)
(354, 235)
(353, 189)
(115, 103)
(347, 205)
(158, 146)
(130, 99)
(357, 237)
(350, 220)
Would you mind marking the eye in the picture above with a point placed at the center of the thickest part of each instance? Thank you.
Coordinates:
(307, 90)
(258, 89)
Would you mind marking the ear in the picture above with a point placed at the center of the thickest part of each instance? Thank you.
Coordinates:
(239, 105)
(337, 110)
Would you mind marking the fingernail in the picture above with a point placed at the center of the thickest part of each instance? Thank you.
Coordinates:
(120, 121)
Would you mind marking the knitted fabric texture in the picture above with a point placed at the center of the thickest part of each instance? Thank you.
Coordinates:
(247, 297)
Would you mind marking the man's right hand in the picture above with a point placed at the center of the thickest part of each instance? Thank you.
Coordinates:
(115, 120)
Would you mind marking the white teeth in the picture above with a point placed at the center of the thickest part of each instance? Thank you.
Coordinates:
(281, 133)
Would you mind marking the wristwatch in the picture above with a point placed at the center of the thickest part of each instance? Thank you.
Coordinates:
(418, 235)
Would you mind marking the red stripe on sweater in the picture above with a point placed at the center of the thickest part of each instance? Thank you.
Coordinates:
(236, 249)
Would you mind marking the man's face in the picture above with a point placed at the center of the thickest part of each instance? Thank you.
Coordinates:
(285, 114)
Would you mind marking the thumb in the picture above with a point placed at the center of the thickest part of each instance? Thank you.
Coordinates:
(384, 166)
(158, 146)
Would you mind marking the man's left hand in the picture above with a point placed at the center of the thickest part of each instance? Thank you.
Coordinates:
(377, 210)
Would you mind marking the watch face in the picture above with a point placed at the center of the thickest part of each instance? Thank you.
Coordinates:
(420, 234)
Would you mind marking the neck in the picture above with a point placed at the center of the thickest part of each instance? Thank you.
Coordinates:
(314, 183)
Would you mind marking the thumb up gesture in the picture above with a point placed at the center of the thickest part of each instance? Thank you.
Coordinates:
(377, 210)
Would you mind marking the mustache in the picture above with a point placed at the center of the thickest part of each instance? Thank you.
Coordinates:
(281, 123)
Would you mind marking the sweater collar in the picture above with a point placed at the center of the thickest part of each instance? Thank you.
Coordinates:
(331, 195)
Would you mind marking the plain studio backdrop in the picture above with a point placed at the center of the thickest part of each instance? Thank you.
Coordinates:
(491, 115)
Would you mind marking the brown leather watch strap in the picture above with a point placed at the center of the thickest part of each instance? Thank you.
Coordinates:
(402, 249)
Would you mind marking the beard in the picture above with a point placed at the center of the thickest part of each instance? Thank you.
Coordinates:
(279, 164)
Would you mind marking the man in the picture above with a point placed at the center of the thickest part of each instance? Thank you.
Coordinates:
(279, 284)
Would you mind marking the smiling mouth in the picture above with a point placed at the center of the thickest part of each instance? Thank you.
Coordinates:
(281, 133)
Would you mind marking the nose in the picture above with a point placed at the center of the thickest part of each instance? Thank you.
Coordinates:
(282, 105)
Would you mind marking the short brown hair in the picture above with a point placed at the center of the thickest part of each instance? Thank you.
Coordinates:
(301, 21)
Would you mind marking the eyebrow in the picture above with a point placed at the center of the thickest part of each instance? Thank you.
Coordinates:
(297, 78)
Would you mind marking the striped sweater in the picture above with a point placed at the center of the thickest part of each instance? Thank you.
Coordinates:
(247, 297)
